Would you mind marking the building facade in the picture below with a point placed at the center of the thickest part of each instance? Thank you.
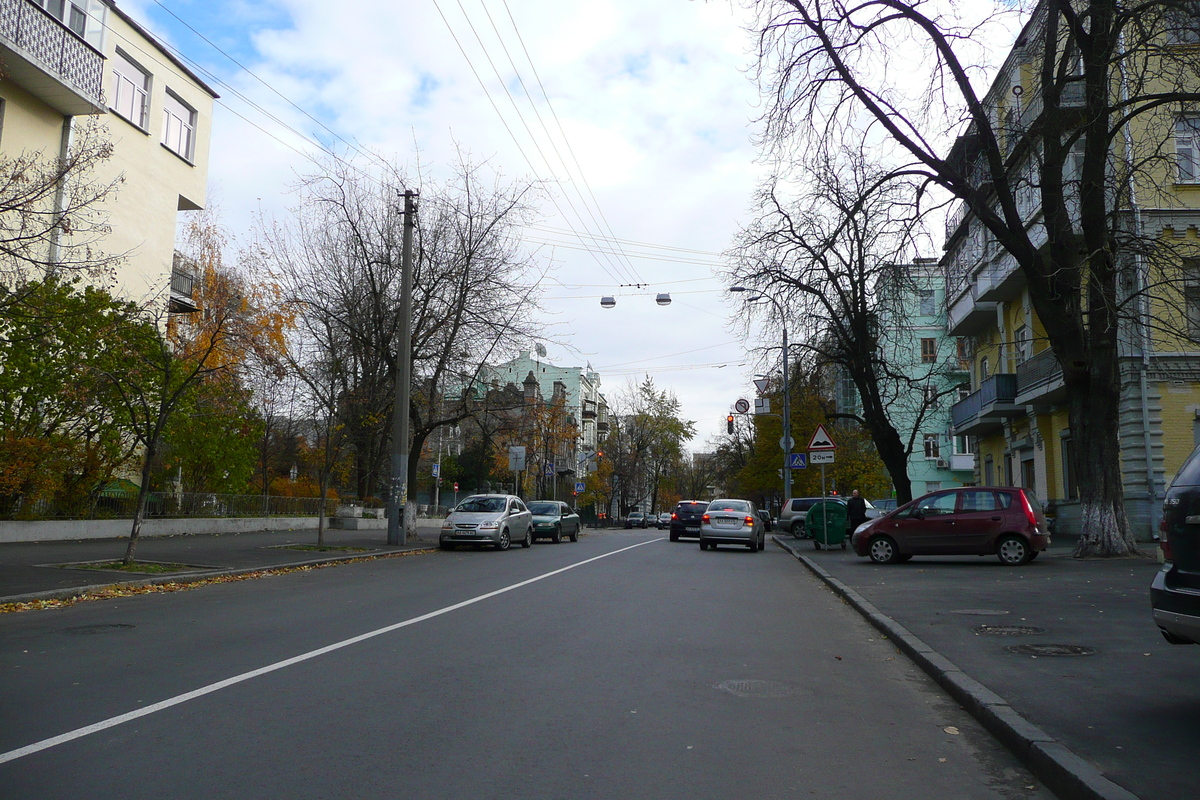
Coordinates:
(67, 61)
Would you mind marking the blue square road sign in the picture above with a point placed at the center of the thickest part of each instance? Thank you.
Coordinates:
(797, 461)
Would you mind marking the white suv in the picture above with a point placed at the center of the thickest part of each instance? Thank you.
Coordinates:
(495, 519)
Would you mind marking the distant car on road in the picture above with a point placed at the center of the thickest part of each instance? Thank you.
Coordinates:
(664, 521)
(636, 519)
(1175, 591)
(495, 519)
(553, 519)
(685, 519)
(732, 522)
(979, 520)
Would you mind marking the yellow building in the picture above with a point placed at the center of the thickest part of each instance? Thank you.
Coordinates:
(62, 61)
(1016, 410)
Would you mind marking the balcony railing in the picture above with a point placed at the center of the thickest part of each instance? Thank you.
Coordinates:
(589, 409)
(55, 47)
(994, 395)
(1038, 375)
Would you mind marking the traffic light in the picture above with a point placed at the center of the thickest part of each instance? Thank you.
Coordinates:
(729, 424)
(599, 455)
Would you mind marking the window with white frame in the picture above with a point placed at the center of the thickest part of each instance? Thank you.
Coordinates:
(1024, 344)
(1183, 23)
(85, 18)
(930, 395)
(932, 448)
(131, 89)
(1187, 148)
(179, 126)
(964, 445)
(925, 299)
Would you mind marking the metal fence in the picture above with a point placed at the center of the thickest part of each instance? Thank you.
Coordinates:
(121, 505)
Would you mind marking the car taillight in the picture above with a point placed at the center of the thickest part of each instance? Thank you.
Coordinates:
(704, 518)
(1029, 515)
(749, 520)
(1163, 540)
(674, 515)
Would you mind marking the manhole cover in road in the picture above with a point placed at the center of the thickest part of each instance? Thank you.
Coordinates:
(756, 688)
(1050, 649)
(980, 612)
(88, 630)
(1008, 630)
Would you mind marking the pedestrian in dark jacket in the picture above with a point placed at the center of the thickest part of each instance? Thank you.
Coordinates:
(856, 510)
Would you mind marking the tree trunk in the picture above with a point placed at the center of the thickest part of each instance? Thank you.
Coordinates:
(139, 511)
(324, 489)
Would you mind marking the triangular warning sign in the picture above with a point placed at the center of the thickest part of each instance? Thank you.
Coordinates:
(761, 384)
(821, 440)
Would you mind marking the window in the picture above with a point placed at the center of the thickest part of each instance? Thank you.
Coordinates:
(1191, 297)
(978, 501)
(931, 445)
(1187, 147)
(85, 18)
(963, 348)
(1070, 489)
(131, 88)
(926, 302)
(179, 123)
(928, 351)
(1024, 344)
(964, 445)
(938, 504)
(930, 395)
(983, 369)
(1183, 24)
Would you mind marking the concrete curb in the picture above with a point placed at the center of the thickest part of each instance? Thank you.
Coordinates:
(196, 577)
(1064, 773)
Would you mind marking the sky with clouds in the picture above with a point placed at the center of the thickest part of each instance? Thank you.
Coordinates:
(654, 97)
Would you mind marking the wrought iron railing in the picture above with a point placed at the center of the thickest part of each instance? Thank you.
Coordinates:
(59, 50)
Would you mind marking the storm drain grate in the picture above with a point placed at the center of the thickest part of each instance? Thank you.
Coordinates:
(1050, 650)
(1008, 630)
(89, 630)
(756, 688)
(980, 612)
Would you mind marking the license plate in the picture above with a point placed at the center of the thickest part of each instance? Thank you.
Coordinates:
(693, 527)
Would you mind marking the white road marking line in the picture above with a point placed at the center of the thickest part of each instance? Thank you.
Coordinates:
(111, 722)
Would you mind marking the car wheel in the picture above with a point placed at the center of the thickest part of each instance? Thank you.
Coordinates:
(575, 534)
(505, 540)
(703, 545)
(797, 530)
(556, 537)
(883, 550)
(1013, 551)
(1033, 554)
(901, 559)
(674, 536)
(528, 540)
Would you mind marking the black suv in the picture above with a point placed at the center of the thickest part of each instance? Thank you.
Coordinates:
(685, 519)
(1175, 592)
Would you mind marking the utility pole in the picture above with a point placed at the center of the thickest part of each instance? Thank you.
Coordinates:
(398, 496)
(787, 422)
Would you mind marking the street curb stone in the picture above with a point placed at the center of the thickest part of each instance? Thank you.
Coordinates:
(194, 577)
(1061, 770)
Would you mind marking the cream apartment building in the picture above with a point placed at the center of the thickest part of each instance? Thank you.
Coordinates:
(62, 61)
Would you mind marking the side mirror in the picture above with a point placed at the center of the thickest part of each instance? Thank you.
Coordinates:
(920, 513)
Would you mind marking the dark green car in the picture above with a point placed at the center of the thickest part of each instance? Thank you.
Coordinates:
(553, 520)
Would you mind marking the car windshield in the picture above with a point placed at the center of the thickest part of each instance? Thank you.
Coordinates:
(544, 509)
(729, 505)
(481, 504)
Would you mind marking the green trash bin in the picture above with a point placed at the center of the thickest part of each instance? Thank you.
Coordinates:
(831, 534)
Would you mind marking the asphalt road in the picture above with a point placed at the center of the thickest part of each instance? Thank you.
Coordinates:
(621, 666)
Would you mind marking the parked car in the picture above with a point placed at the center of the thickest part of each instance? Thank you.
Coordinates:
(664, 521)
(636, 519)
(1175, 591)
(685, 519)
(553, 519)
(979, 520)
(732, 522)
(495, 519)
(791, 518)
(885, 505)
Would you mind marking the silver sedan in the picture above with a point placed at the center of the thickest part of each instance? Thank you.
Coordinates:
(732, 522)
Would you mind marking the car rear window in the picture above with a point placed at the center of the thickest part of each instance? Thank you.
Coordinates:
(734, 505)
(1189, 473)
(804, 503)
(692, 508)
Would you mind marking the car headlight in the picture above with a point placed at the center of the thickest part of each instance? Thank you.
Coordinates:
(447, 525)
(490, 525)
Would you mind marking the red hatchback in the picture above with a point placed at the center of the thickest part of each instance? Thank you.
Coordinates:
(976, 520)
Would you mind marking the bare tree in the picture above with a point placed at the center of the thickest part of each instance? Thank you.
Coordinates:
(473, 284)
(833, 258)
(1058, 177)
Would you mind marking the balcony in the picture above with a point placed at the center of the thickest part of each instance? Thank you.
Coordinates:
(962, 461)
(984, 411)
(1040, 380)
(44, 57)
(1002, 280)
(589, 409)
(182, 283)
(967, 315)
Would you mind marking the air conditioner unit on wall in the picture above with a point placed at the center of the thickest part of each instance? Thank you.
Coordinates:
(943, 464)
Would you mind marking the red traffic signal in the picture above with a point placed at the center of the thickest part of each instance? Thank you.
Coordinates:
(729, 424)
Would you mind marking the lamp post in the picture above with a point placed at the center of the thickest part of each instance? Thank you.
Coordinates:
(787, 399)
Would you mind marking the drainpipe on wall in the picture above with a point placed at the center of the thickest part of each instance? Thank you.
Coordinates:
(60, 189)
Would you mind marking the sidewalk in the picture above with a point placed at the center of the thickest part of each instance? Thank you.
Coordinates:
(27, 570)
(1118, 722)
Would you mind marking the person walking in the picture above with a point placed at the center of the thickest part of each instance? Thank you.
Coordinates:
(856, 511)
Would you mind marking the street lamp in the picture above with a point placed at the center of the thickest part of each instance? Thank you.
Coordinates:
(787, 399)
